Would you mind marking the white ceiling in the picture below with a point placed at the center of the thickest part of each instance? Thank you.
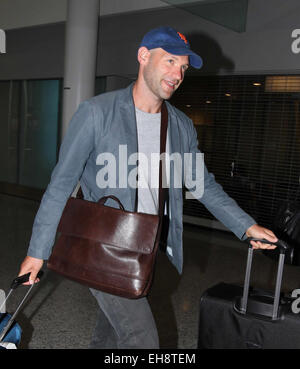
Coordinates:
(25, 13)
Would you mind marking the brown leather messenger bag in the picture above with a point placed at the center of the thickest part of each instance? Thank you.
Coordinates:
(110, 249)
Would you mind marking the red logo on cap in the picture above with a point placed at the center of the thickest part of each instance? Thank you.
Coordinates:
(182, 37)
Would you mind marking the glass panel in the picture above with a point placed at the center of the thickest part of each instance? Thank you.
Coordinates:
(38, 132)
(9, 124)
(231, 14)
(249, 134)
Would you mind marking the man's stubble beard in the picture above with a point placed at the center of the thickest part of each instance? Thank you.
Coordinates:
(153, 84)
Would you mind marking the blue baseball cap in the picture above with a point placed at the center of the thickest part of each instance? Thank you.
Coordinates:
(172, 42)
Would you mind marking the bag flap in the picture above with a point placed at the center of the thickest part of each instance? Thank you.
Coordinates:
(123, 229)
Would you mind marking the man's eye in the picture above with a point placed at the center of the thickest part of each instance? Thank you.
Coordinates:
(171, 61)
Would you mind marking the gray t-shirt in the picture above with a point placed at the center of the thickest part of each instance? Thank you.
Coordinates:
(148, 130)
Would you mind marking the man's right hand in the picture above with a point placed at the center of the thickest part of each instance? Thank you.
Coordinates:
(33, 266)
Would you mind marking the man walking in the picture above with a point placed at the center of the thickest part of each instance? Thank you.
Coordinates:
(131, 117)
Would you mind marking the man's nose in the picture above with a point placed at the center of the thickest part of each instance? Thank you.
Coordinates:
(178, 73)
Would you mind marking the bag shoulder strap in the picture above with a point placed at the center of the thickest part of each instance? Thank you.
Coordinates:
(163, 138)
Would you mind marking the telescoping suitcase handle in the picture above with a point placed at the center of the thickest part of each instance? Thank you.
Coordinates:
(16, 283)
(283, 247)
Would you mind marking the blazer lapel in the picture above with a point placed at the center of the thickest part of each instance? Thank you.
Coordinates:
(128, 118)
(174, 145)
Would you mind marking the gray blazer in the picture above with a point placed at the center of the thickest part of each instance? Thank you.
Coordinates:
(100, 125)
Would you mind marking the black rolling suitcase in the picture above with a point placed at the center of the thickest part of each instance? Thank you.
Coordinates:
(234, 317)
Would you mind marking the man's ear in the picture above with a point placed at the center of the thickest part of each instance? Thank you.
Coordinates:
(143, 55)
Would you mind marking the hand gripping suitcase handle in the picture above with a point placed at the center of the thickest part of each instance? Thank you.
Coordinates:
(283, 247)
(16, 283)
(23, 279)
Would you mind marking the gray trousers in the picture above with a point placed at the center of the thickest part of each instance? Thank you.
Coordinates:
(123, 323)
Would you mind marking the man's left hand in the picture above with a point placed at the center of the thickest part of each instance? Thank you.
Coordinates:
(257, 231)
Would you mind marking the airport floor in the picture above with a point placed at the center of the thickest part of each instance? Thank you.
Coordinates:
(60, 314)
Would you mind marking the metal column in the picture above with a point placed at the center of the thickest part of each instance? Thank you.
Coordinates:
(80, 55)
